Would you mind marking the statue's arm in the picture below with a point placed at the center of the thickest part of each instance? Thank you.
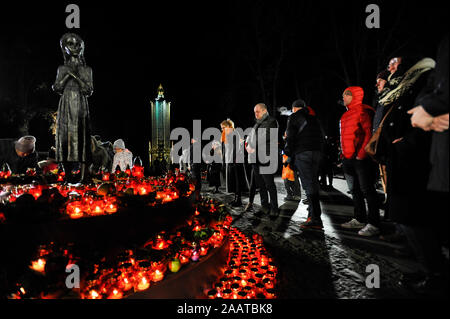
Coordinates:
(61, 78)
(84, 79)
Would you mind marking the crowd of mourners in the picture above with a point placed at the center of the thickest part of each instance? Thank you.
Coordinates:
(401, 141)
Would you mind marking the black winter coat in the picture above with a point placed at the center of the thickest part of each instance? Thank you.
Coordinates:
(309, 138)
(406, 161)
(266, 124)
(435, 102)
(17, 164)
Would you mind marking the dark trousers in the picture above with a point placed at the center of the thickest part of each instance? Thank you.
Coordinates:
(253, 185)
(293, 187)
(197, 177)
(425, 243)
(326, 170)
(359, 175)
(426, 239)
(307, 163)
(266, 183)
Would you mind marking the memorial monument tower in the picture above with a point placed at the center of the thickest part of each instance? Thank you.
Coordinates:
(159, 145)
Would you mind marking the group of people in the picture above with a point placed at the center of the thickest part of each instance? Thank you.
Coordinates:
(20, 155)
(402, 140)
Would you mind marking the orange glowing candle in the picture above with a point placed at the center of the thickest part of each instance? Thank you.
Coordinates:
(203, 251)
(38, 265)
(111, 208)
(143, 284)
(184, 259)
(126, 284)
(93, 294)
(115, 294)
(157, 275)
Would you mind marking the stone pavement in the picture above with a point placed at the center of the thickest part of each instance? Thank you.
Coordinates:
(329, 264)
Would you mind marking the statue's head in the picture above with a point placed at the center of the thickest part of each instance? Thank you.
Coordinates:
(72, 46)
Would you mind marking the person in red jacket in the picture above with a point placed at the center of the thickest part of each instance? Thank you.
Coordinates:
(356, 131)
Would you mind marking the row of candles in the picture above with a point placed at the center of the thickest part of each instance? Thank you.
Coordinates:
(250, 272)
(133, 273)
(85, 201)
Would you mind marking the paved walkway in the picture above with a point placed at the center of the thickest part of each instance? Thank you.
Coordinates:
(329, 264)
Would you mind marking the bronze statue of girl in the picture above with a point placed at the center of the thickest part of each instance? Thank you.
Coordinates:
(74, 84)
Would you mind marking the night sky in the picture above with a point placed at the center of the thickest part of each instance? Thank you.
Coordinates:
(208, 56)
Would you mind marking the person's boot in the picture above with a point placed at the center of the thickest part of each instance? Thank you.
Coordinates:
(312, 224)
(263, 211)
(248, 207)
(274, 213)
(237, 202)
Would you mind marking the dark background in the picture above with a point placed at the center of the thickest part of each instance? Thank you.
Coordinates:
(215, 59)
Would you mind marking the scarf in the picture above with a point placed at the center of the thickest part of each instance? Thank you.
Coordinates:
(408, 80)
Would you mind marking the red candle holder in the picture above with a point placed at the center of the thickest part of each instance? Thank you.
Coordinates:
(75, 209)
(268, 283)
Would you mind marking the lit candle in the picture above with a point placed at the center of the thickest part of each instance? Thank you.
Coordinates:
(270, 293)
(203, 251)
(126, 284)
(184, 259)
(115, 294)
(268, 283)
(143, 284)
(38, 265)
(93, 294)
(111, 208)
(195, 255)
(212, 294)
(157, 275)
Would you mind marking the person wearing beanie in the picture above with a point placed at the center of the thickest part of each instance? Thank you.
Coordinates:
(381, 90)
(356, 131)
(122, 157)
(303, 147)
(20, 155)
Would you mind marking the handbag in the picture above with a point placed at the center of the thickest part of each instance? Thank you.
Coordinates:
(372, 146)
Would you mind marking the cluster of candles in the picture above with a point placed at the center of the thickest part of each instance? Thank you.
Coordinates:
(250, 272)
(5, 171)
(87, 200)
(130, 275)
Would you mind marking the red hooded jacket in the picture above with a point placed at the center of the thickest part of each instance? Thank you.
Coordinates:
(356, 125)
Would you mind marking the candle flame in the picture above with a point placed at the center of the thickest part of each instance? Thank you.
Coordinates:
(38, 265)
(94, 294)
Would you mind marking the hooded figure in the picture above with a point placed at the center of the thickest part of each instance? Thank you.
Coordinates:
(356, 125)
(359, 170)
(123, 157)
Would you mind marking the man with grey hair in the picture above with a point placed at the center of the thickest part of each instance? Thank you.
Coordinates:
(266, 182)
(19, 155)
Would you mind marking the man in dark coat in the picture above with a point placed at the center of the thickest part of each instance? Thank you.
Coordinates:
(303, 146)
(432, 114)
(265, 181)
(19, 155)
(405, 150)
